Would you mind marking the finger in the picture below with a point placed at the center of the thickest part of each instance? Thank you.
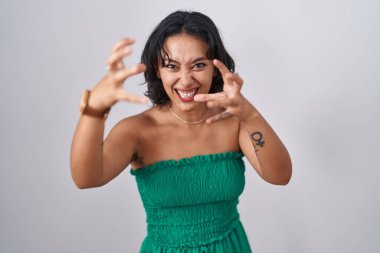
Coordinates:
(220, 116)
(221, 67)
(129, 97)
(115, 60)
(224, 71)
(238, 78)
(122, 43)
(207, 97)
(219, 103)
(235, 79)
(228, 77)
(119, 47)
(121, 75)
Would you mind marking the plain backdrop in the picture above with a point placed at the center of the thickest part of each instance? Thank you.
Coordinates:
(310, 67)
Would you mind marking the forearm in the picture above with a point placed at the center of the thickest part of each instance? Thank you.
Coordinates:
(273, 157)
(87, 152)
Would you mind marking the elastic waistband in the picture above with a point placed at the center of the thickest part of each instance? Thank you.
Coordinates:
(191, 225)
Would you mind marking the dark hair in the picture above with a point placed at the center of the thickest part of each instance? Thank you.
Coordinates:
(194, 24)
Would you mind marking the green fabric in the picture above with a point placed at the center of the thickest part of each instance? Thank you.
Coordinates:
(191, 204)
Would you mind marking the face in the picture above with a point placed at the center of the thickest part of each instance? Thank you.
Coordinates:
(187, 70)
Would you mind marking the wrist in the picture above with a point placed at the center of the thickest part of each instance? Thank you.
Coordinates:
(88, 108)
(248, 113)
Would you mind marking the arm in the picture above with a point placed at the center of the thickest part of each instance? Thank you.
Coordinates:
(263, 149)
(259, 143)
(86, 156)
(94, 162)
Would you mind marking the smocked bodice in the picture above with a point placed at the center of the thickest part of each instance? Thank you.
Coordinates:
(192, 201)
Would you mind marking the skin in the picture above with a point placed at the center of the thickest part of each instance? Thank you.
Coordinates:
(186, 68)
(233, 123)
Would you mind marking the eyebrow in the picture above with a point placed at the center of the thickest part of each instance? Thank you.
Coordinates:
(196, 60)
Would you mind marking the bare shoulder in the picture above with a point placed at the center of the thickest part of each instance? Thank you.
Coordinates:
(134, 124)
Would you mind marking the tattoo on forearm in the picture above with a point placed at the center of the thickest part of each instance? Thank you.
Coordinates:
(257, 138)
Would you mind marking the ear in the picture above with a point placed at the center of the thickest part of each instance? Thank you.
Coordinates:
(158, 73)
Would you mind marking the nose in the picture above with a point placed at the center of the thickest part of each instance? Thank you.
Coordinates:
(186, 78)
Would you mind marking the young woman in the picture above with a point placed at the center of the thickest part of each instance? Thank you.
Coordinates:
(186, 151)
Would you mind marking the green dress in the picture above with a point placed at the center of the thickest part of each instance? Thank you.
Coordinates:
(191, 204)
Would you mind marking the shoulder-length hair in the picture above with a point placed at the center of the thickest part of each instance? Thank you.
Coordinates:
(191, 23)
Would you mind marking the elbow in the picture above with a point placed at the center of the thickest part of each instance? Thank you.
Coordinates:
(287, 172)
(81, 185)
(83, 181)
(278, 181)
(285, 180)
(282, 178)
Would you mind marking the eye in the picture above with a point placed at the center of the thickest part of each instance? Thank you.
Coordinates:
(170, 66)
(200, 65)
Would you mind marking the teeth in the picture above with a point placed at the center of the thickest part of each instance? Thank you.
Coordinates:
(187, 94)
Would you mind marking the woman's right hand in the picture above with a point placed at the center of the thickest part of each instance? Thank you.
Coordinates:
(110, 89)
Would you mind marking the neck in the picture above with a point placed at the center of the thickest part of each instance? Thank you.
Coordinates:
(195, 116)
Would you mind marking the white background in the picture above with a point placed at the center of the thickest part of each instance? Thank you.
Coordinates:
(310, 67)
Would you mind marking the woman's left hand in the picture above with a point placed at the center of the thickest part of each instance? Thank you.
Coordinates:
(230, 99)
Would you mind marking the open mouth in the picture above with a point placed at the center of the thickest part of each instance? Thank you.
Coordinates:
(187, 95)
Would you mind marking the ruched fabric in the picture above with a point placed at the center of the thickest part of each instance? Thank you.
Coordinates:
(191, 204)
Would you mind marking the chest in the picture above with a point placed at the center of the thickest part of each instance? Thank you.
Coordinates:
(173, 142)
(192, 181)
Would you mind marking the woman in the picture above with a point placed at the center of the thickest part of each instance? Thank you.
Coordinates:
(186, 151)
